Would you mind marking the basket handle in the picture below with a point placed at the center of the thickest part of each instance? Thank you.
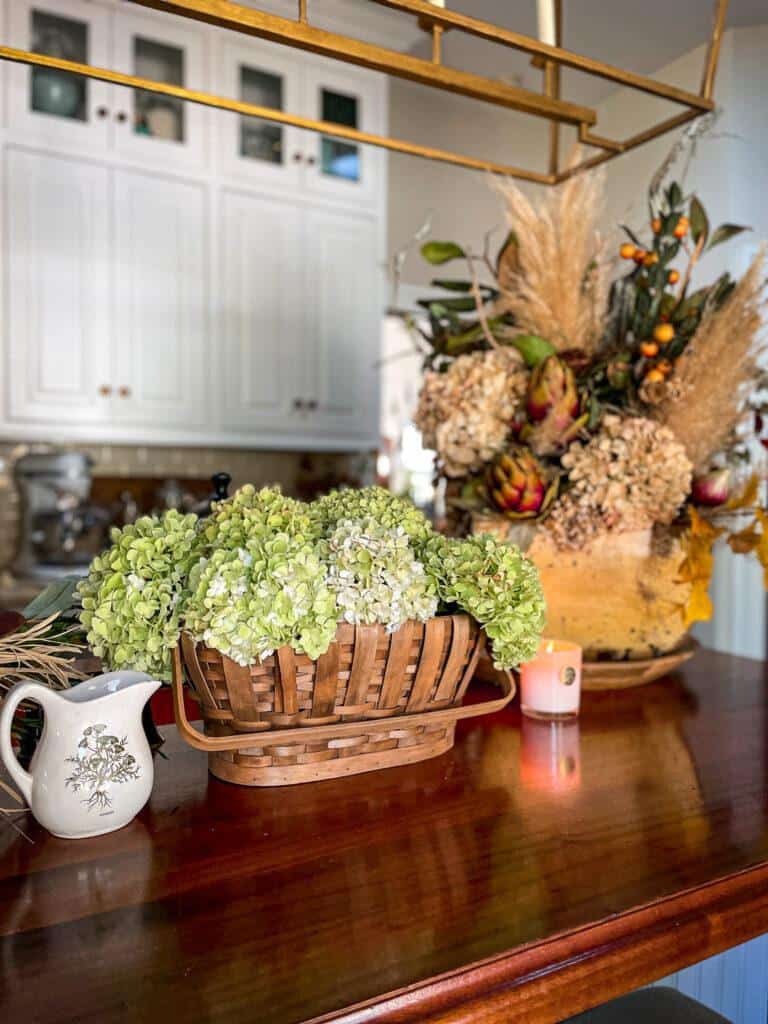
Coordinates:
(318, 732)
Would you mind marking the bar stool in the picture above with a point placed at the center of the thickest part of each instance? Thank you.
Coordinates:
(659, 1005)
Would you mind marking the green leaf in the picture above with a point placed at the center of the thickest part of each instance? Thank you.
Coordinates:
(724, 233)
(631, 235)
(441, 252)
(457, 305)
(699, 221)
(532, 348)
(674, 195)
(57, 597)
(451, 285)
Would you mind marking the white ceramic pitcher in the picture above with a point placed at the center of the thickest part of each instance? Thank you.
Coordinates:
(92, 771)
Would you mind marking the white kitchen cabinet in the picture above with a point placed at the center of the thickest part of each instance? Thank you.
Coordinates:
(249, 149)
(344, 297)
(57, 257)
(48, 107)
(160, 313)
(263, 313)
(178, 275)
(149, 127)
(336, 168)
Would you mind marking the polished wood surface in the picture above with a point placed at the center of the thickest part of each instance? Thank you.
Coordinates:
(527, 874)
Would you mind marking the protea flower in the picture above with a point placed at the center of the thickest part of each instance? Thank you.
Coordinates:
(553, 407)
(713, 488)
(518, 486)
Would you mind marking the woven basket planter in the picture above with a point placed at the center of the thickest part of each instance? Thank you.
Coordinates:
(373, 700)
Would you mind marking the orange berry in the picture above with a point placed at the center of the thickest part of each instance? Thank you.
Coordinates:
(664, 366)
(681, 228)
(627, 251)
(673, 276)
(639, 255)
(650, 259)
(654, 377)
(649, 349)
(656, 225)
(663, 333)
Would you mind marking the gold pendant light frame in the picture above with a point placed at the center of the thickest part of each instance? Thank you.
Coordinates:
(548, 104)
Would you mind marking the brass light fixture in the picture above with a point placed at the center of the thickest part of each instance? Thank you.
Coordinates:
(435, 19)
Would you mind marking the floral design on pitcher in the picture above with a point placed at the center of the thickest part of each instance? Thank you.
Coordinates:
(101, 759)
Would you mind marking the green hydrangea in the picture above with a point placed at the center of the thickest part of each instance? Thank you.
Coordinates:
(374, 503)
(376, 576)
(133, 595)
(495, 584)
(249, 512)
(263, 583)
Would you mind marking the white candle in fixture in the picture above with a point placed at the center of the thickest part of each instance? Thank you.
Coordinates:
(550, 683)
(546, 15)
(437, 3)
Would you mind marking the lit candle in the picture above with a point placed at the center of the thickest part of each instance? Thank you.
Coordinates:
(437, 3)
(550, 684)
(546, 14)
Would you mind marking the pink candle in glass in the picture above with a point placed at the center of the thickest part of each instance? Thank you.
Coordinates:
(550, 683)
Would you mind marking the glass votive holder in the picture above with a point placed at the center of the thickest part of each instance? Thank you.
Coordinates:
(550, 683)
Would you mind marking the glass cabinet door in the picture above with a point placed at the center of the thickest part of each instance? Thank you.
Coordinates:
(338, 167)
(56, 107)
(152, 127)
(251, 147)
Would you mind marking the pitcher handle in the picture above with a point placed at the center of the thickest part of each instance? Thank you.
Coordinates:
(21, 691)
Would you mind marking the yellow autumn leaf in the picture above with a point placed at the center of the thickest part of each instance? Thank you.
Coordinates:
(748, 496)
(745, 540)
(698, 608)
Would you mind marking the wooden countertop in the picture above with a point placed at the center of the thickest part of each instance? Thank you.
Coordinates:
(532, 872)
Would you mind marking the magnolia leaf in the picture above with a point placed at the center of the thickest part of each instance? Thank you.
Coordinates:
(725, 232)
(699, 221)
(441, 252)
(532, 348)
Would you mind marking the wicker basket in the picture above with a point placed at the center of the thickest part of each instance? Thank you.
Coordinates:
(290, 719)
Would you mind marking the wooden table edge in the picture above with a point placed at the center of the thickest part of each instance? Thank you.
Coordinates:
(544, 982)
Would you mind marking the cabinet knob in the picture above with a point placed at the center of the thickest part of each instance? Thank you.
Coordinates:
(121, 116)
(312, 404)
(101, 112)
(311, 160)
(124, 392)
(297, 158)
(105, 390)
(298, 403)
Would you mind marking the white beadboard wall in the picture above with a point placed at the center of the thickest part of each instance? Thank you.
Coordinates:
(734, 983)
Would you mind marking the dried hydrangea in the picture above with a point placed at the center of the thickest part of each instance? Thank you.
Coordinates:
(465, 413)
(630, 475)
(376, 576)
(374, 503)
(498, 586)
(133, 595)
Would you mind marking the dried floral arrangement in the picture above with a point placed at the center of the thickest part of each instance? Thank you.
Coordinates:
(587, 400)
(266, 571)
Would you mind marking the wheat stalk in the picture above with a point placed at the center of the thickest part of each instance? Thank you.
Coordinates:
(560, 288)
(705, 399)
(32, 654)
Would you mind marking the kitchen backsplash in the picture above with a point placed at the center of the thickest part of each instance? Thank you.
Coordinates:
(300, 474)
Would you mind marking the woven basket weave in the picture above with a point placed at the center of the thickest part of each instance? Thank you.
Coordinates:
(373, 700)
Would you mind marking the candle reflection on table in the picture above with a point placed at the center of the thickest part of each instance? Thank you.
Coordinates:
(550, 755)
